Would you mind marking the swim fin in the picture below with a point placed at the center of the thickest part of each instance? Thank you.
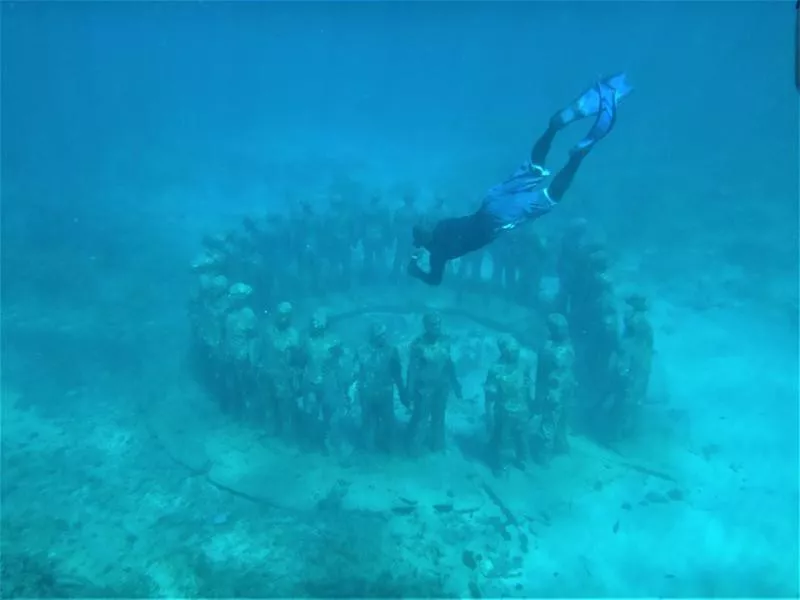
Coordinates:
(588, 103)
(606, 118)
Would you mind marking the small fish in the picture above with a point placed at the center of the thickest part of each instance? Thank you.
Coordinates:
(221, 518)
(616, 526)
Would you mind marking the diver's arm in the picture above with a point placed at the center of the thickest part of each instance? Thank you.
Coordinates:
(434, 275)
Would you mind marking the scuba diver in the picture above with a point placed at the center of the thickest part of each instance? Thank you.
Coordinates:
(519, 198)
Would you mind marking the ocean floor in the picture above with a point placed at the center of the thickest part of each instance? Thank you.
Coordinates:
(120, 478)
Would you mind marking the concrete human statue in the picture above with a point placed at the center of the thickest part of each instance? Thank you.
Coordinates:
(323, 388)
(632, 365)
(375, 233)
(279, 368)
(555, 389)
(403, 220)
(241, 330)
(378, 376)
(430, 381)
(508, 401)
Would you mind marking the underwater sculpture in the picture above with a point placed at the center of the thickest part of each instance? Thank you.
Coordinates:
(298, 384)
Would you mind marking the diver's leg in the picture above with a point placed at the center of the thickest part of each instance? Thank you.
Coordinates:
(563, 179)
(541, 147)
(589, 103)
(604, 123)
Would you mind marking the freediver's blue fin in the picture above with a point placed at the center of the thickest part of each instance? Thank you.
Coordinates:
(604, 123)
(588, 103)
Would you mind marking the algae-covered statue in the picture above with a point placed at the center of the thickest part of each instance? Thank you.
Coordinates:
(632, 365)
(279, 363)
(431, 378)
(507, 393)
(555, 389)
(239, 349)
(378, 375)
(323, 388)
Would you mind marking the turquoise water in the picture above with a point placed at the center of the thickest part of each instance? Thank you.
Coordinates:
(131, 130)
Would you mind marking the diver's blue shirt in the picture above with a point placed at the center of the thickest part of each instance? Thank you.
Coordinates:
(519, 198)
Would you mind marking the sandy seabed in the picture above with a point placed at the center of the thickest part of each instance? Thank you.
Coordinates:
(121, 478)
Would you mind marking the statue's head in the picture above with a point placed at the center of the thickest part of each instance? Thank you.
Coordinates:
(283, 314)
(319, 322)
(509, 349)
(378, 334)
(432, 323)
(557, 327)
